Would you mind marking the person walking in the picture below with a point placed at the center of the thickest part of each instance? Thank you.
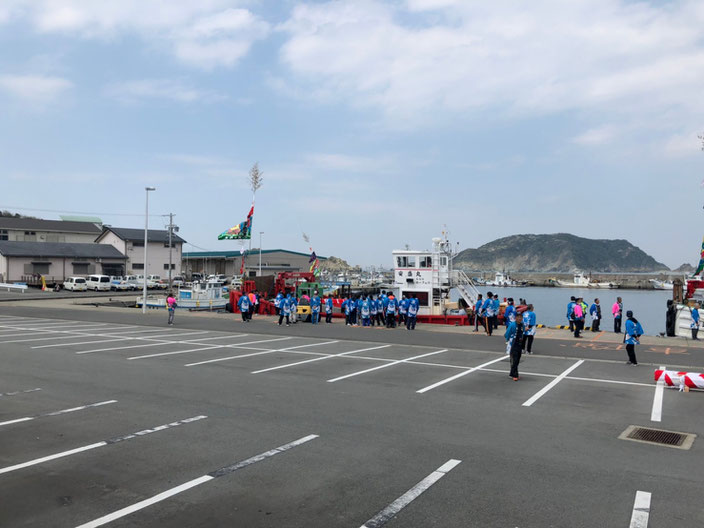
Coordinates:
(244, 305)
(633, 331)
(171, 307)
(595, 313)
(695, 322)
(617, 312)
(529, 328)
(570, 312)
(578, 316)
(516, 348)
(510, 335)
(477, 312)
(328, 309)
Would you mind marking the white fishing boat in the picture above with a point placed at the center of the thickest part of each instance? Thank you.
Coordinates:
(662, 285)
(580, 280)
(503, 280)
(206, 295)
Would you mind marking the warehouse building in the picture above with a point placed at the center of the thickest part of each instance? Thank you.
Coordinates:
(229, 263)
(38, 230)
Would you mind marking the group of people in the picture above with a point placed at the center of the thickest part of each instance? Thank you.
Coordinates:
(248, 304)
(382, 310)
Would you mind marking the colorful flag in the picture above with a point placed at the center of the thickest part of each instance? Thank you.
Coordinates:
(242, 231)
(313, 261)
(700, 267)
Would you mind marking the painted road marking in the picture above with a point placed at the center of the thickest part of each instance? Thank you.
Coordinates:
(327, 356)
(388, 513)
(550, 385)
(73, 335)
(106, 333)
(258, 353)
(56, 413)
(15, 393)
(109, 441)
(195, 482)
(457, 376)
(386, 365)
(656, 414)
(237, 345)
(160, 338)
(641, 510)
(161, 343)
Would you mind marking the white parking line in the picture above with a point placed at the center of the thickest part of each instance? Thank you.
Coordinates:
(328, 356)
(175, 352)
(163, 343)
(56, 413)
(656, 414)
(110, 441)
(385, 515)
(195, 482)
(457, 376)
(258, 353)
(641, 510)
(386, 365)
(72, 335)
(530, 401)
(15, 393)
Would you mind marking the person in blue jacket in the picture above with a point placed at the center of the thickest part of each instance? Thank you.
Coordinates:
(372, 309)
(328, 309)
(633, 331)
(509, 312)
(365, 311)
(294, 309)
(695, 322)
(497, 309)
(477, 312)
(570, 312)
(402, 308)
(244, 305)
(347, 308)
(391, 307)
(489, 313)
(595, 313)
(529, 328)
(516, 347)
(412, 312)
(315, 308)
(510, 335)
(285, 310)
(277, 302)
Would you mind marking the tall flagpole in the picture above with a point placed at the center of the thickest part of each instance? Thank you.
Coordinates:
(255, 182)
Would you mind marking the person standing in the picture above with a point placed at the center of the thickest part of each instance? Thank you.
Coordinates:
(315, 308)
(171, 307)
(372, 310)
(497, 309)
(488, 312)
(578, 316)
(244, 306)
(516, 348)
(509, 312)
(477, 312)
(294, 309)
(695, 322)
(617, 312)
(277, 302)
(285, 310)
(633, 331)
(380, 307)
(391, 312)
(595, 312)
(328, 309)
(529, 328)
(402, 309)
(413, 306)
(570, 313)
(366, 311)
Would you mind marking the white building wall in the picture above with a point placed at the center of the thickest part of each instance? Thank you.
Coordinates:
(50, 236)
(3, 269)
(157, 253)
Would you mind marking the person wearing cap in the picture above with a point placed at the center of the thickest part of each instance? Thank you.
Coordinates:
(633, 331)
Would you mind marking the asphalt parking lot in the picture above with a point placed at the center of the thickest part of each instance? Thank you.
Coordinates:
(116, 419)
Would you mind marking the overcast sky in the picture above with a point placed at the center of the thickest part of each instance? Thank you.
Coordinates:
(375, 123)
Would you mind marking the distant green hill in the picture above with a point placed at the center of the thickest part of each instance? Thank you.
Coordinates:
(560, 252)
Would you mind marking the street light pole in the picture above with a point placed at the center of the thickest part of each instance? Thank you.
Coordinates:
(260, 252)
(146, 231)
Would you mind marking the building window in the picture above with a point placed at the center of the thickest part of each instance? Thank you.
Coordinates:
(137, 266)
(173, 266)
(426, 262)
(138, 243)
(80, 268)
(443, 261)
(42, 268)
(3, 234)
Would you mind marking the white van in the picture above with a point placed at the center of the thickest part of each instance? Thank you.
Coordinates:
(75, 284)
(98, 282)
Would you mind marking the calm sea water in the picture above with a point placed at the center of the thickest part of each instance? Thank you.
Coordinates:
(550, 304)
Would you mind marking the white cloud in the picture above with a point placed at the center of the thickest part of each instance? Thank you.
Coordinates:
(207, 33)
(34, 88)
(131, 91)
(596, 136)
(427, 59)
(347, 163)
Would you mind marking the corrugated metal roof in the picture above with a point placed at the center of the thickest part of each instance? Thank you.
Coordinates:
(11, 248)
(154, 235)
(230, 254)
(36, 224)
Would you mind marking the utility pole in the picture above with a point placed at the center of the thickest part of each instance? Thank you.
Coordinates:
(171, 229)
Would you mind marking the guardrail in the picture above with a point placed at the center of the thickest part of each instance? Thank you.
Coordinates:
(13, 287)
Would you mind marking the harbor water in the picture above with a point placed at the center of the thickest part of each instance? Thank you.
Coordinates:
(550, 304)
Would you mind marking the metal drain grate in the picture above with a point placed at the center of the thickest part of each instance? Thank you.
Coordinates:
(658, 437)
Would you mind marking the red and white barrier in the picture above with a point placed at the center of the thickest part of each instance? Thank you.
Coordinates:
(672, 378)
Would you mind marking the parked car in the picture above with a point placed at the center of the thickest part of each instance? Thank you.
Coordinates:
(75, 284)
(196, 277)
(178, 280)
(98, 282)
(131, 281)
(119, 284)
(140, 282)
(157, 282)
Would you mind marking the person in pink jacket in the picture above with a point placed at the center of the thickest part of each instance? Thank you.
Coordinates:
(617, 312)
(578, 313)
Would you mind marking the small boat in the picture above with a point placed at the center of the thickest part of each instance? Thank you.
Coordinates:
(662, 285)
(580, 280)
(208, 295)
